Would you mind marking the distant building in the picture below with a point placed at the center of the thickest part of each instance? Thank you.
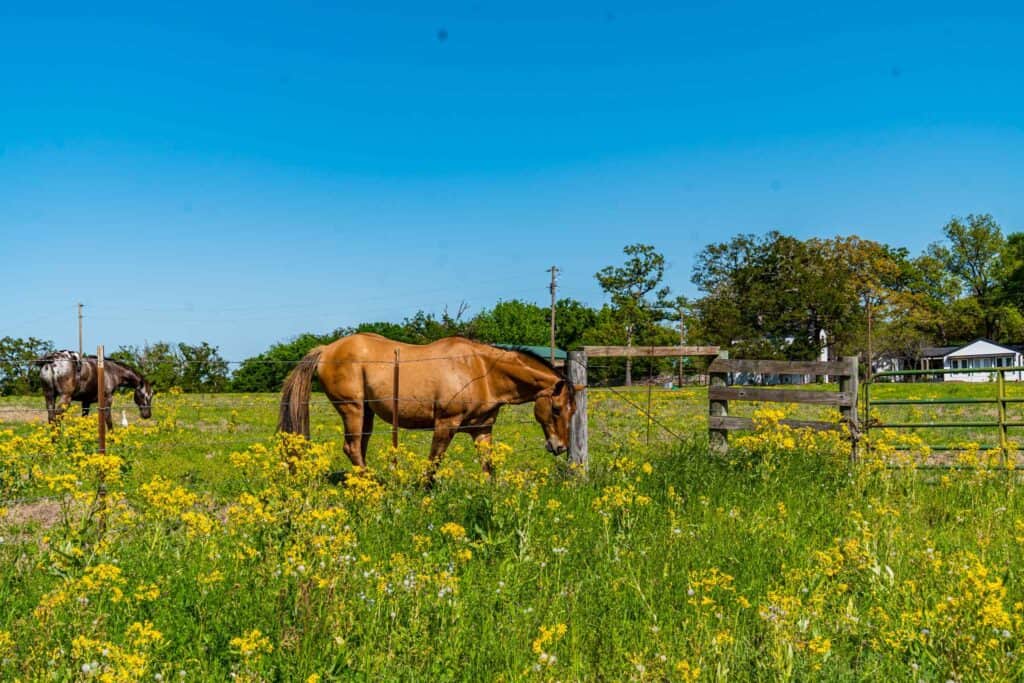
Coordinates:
(981, 354)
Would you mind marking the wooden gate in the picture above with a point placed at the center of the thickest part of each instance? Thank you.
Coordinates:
(721, 391)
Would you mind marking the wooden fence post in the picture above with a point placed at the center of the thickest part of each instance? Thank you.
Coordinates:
(718, 439)
(850, 383)
(576, 365)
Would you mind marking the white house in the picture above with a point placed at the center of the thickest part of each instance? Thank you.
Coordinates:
(982, 354)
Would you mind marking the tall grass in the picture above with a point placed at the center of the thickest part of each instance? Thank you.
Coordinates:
(220, 551)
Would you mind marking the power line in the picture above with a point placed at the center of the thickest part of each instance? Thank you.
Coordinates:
(554, 287)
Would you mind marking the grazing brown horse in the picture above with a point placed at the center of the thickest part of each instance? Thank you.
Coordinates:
(452, 385)
(71, 377)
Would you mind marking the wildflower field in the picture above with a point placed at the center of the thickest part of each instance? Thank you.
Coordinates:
(203, 547)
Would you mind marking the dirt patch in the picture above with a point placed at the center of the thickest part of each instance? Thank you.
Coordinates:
(45, 512)
(22, 415)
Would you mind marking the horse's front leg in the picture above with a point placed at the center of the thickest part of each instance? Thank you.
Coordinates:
(65, 403)
(482, 441)
(444, 431)
(108, 410)
(85, 408)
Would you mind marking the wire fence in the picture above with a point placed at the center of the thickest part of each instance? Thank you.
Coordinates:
(622, 415)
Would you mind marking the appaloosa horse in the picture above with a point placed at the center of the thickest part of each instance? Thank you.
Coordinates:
(451, 385)
(70, 377)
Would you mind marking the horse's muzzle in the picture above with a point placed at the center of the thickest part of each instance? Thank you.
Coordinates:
(555, 450)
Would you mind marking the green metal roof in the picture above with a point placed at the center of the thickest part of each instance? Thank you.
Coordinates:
(542, 351)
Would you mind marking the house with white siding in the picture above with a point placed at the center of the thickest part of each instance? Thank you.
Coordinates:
(981, 354)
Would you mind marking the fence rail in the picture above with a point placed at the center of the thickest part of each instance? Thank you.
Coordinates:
(1000, 400)
(720, 393)
(649, 351)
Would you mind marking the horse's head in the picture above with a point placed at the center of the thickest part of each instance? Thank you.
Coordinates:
(553, 409)
(144, 398)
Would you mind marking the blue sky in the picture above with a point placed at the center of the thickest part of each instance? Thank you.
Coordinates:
(242, 173)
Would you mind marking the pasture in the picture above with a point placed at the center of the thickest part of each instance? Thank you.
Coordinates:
(219, 551)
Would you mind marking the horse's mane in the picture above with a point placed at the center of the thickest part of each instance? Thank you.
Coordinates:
(119, 362)
(532, 354)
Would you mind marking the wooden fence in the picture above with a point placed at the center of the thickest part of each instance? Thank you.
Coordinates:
(576, 371)
(720, 393)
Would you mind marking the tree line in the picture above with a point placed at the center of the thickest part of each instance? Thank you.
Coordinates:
(761, 296)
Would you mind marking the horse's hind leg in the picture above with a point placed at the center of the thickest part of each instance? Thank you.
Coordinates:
(85, 408)
(51, 406)
(366, 430)
(352, 414)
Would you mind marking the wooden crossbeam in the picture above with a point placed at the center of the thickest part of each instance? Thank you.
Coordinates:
(778, 395)
(730, 423)
(649, 351)
(781, 367)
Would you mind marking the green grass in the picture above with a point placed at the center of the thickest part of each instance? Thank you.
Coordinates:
(834, 572)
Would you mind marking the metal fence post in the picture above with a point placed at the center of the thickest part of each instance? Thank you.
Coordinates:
(394, 408)
(101, 401)
(101, 413)
(1001, 398)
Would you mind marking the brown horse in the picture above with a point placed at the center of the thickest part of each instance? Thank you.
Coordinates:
(451, 385)
(67, 377)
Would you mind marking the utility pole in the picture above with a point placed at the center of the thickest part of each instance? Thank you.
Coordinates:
(869, 340)
(79, 329)
(682, 342)
(554, 285)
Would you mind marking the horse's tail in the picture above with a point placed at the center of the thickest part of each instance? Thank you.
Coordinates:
(294, 412)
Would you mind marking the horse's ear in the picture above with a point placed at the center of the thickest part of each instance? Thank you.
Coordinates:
(579, 387)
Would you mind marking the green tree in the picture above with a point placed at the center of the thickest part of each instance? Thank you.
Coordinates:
(423, 328)
(974, 256)
(572, 320)
(776, 296)
(266, 371)
(202, 369)
(514, 322)
(631, 287)
(158, 362)
(17, 373)
(876, 273)
(395, 331)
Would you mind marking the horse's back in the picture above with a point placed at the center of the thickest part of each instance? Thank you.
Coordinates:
(362, 367)
(59, 369)
(369, 347)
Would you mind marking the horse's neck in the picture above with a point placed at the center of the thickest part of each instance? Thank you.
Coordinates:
(126, 377)
(121, 376)
(526, 379)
